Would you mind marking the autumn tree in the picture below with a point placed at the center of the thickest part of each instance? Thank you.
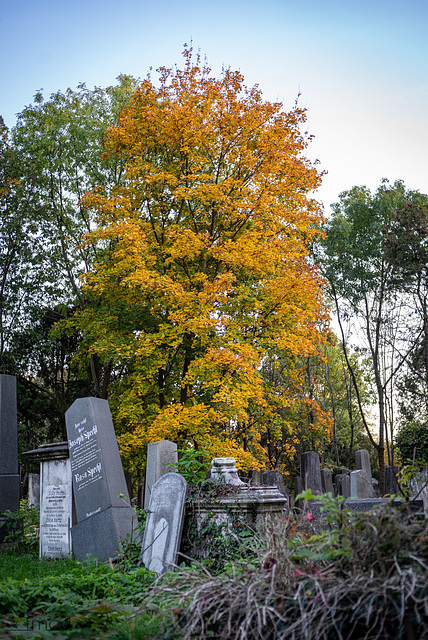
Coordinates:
(204, 270)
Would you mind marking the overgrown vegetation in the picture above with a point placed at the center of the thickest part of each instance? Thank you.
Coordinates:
(365, 576)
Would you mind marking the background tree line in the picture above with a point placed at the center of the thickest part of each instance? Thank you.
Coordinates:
(203, 315)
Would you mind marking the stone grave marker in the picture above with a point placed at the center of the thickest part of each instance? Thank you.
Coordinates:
(34, 489)
(162, 534)
(103, 512)
(360, 486)
(362, 461)
(55, 498)
(55, 506)
(10, 486)
(327, 481)
(160, 456)
(391, 484)
(274, 479)
(224, 470)
(310, 471)
(256, 477)
(343, 485)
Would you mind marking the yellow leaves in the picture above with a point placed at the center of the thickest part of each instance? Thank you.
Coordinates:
(203, 271)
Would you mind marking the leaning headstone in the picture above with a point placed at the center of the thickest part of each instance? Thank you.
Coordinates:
(362, 461)
(103, 511)
(274, 479)
(310, 471)
(327, 481)
(9, 476)
(161, 455)
(162, 534)
(360, 486)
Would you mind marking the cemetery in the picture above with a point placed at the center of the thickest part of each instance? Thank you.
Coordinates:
(187, 449)
(211, 554)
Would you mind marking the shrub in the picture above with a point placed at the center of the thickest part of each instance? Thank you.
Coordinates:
(412, 439)
(365, 577)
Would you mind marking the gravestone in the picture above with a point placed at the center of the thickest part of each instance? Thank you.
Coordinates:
(343, 485)
(310, 471)
(274, 479)
(256, 477)
(9, 477)
(54, 498)
(162, 534)
(360, 486)
(160, 456)
(55, 508)
(391, 484)
(34, 489)
(362, 461)
(102, 506)
(327, 481)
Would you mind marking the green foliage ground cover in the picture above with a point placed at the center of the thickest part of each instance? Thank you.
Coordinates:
(63, 598)
(360, 576)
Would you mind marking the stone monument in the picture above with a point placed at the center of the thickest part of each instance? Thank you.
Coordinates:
(55, 498)
(310, 471)
(161, 455)
(103, 512)
(9, 473)
(162, 534)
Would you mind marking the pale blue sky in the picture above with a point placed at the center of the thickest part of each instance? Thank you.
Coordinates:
(361, 67)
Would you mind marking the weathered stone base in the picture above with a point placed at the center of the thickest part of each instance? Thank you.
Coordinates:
(100, 535)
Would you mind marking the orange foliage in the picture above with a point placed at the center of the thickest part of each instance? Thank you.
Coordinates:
(206, 269)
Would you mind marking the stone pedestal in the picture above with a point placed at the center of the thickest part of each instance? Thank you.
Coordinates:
(253, 505)
(55, 499)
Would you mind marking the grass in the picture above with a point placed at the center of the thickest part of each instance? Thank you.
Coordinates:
(364, 577)
(56, 599)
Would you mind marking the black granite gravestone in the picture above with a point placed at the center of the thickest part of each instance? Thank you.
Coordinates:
(9, 477)
(103, 511)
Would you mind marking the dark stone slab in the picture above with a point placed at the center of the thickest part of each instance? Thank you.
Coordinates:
(310, 471)
(10, 488)
(8, 427)
(391, 484)
(98, 480)
(327, 481)
(274, 479)
(99, 535)
(162, 534)
(96, 468)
